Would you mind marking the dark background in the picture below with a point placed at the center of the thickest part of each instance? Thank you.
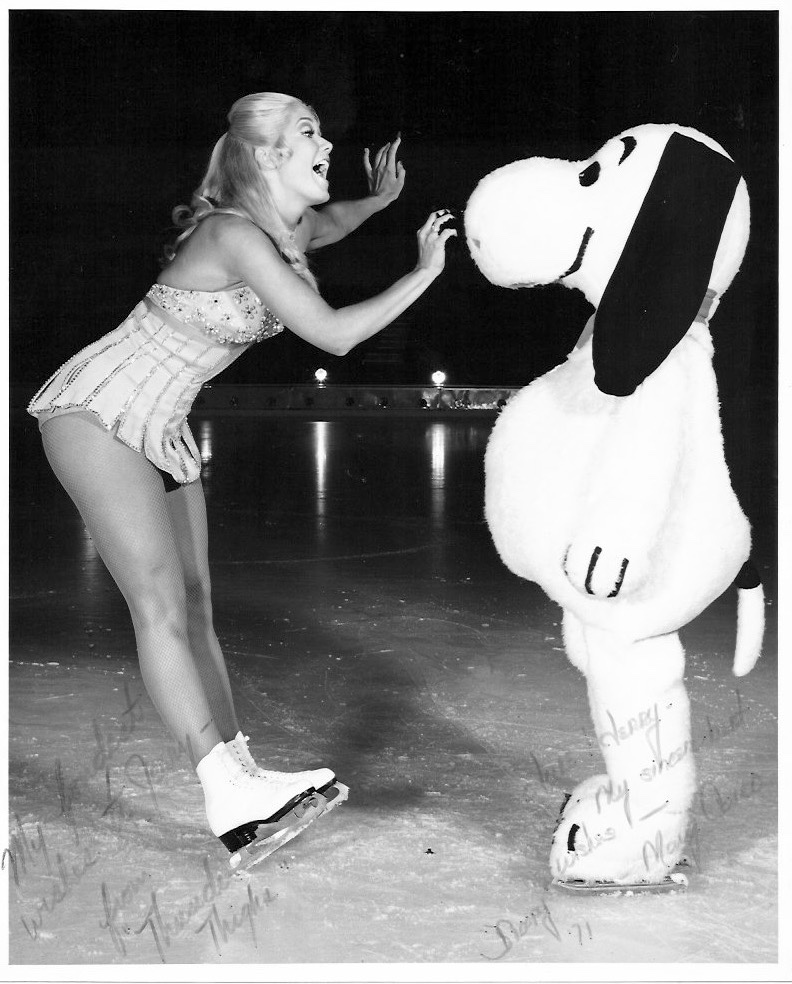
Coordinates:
(113, 115)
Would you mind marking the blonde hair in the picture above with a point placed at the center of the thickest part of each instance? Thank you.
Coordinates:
(233, 180)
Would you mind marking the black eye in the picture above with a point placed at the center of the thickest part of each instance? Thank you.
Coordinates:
(629, 147)
(590, 175)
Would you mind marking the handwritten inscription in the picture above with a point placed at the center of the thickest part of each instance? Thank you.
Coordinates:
(620, 733)
(26, 848)
(667, 853)
(585, 845)
(214, 885)
(113, 903)
(538, 921)
(550, 774)
(715, 802)
(662, 762)
(212, 911)
(164, 929)
(68, 875)
(30, 849)
(646, 723)
(712, 801)
(222, 928)
(107, 745)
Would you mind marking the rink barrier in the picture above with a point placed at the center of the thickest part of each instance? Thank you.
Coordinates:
(312, 398)
(309, 399)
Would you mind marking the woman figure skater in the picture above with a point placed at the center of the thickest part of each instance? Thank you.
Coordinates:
(114, 429)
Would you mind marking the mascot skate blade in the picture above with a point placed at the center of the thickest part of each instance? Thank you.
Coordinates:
(675, 882)
(272, 836)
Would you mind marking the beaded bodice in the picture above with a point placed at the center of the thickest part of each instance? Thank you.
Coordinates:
(140, 380)
(233, 316)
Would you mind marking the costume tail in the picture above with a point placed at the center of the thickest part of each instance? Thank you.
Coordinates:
(750, 619)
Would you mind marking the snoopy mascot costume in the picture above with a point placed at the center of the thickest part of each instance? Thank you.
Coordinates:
(606, 481)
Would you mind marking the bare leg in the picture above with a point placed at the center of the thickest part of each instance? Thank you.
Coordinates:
(122, 501)
(187, 508)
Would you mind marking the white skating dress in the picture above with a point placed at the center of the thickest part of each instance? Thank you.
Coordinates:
(140, 380)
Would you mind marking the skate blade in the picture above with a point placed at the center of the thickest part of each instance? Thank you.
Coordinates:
(273, 836)
(675, 882)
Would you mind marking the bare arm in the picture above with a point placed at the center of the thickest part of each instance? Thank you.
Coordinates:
(248, 255)
(336, 220)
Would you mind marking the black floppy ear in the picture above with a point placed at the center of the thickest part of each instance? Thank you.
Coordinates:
(662, 275)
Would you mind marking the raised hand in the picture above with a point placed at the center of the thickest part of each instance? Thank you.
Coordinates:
(432, 238)
(386, 175)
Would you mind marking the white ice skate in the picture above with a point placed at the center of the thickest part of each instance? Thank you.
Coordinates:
(606, 843)
(677, 881)
(238, 746)
(254, 811)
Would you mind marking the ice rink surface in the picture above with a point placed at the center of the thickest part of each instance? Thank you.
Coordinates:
(369, 626)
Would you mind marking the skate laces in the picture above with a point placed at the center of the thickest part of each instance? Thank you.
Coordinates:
(271, 776)
(241, 752)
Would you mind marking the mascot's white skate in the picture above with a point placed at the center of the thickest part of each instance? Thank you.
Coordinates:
(605, 479)
(254, 811)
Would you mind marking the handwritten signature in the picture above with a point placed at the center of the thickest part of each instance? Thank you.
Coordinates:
(164, 931)
(29, 849)
(539, 920)
(646, 722)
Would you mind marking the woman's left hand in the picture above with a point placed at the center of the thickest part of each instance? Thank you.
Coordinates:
(386, 176)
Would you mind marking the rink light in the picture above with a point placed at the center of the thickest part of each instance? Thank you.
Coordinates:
(320, 376)
(438, 378)
(205, 439)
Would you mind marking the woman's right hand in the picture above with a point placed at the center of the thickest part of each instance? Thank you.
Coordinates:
(248, 255)
(432, 238)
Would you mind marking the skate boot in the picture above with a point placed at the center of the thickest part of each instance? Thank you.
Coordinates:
(238, 746)
(256, 812)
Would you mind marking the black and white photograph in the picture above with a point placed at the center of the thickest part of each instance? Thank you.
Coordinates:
(393, 494)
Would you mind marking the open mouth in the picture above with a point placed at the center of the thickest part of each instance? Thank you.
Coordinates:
(322, 168)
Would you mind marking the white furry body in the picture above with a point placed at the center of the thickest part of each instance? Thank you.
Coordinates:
(619, 507)
(569, 468)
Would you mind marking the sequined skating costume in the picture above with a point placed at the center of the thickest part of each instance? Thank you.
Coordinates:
(141, 379)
